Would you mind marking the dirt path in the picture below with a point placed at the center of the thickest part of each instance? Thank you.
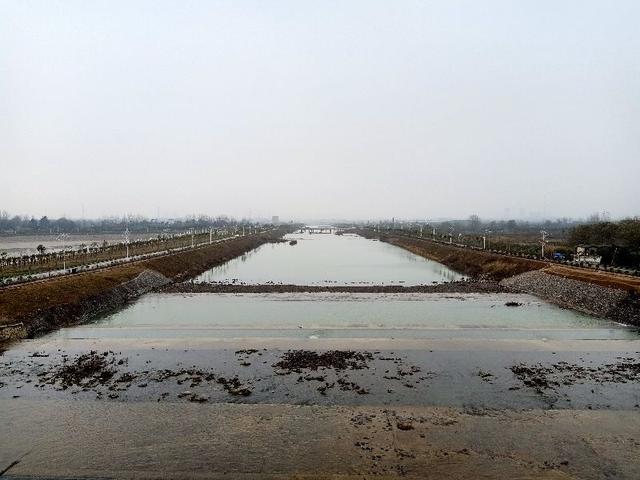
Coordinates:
(604, 279)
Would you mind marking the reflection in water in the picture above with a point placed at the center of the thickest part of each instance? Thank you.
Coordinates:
(330, 260)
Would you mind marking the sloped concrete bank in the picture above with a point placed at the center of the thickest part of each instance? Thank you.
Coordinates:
(612, 303)
(36, 308)
(97, 305)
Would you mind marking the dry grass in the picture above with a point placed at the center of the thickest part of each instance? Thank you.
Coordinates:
(23, 301)
(470, 262)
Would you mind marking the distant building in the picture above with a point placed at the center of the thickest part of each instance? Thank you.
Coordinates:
(587, 254)
(275, 219)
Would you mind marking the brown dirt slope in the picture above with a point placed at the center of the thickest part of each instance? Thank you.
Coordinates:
(474, 263)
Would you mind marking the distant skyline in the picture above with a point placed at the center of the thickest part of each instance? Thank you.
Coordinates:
(320, 110)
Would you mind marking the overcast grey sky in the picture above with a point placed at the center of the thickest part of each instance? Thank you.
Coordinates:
(320, 109)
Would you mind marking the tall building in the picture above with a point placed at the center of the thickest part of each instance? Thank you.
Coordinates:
(275, 219)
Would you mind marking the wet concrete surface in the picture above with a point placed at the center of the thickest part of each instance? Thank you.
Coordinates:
(84, 439)
(464, 374)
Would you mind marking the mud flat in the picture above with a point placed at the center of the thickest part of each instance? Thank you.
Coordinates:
(46, 305)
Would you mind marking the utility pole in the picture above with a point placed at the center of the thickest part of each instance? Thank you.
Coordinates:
(210, 236)
(193, 238)
(450, 235)
(421, 230)
(543, 241)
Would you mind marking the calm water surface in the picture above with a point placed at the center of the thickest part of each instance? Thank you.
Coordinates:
(346, 315)
(331, 260)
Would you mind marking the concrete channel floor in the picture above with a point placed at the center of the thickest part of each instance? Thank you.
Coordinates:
(93, 439)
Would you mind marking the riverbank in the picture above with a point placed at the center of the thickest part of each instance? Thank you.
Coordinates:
(603, 294)
(46, 305)
(474, 263)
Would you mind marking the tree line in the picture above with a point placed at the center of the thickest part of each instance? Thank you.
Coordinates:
(26, 225)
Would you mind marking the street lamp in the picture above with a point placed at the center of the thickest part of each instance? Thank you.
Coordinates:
(62, 237)
(126, 241)
(484, 239)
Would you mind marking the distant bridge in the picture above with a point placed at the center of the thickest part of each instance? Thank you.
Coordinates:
(320, 229)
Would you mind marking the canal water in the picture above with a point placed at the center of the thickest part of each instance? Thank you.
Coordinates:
(321, 259)
(418, 349)
(346, 315)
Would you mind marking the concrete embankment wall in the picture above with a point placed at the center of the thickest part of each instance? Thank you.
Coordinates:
(43, 306)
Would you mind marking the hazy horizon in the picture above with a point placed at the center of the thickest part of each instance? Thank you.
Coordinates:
(415, 110)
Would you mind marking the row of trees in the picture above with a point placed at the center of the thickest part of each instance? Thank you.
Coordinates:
(23, 225)
(474, 225)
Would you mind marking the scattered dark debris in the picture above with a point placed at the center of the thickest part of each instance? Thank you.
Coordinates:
(364, 446)
(362, 418)
(513, 304)
(323, 388)
(86, 370)
(534, 377)
(248, 351)
(542, 378)
(296, 360)
(234, 386)
(198, 398)
(486, 376)
(404, 425)
(346, 385)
